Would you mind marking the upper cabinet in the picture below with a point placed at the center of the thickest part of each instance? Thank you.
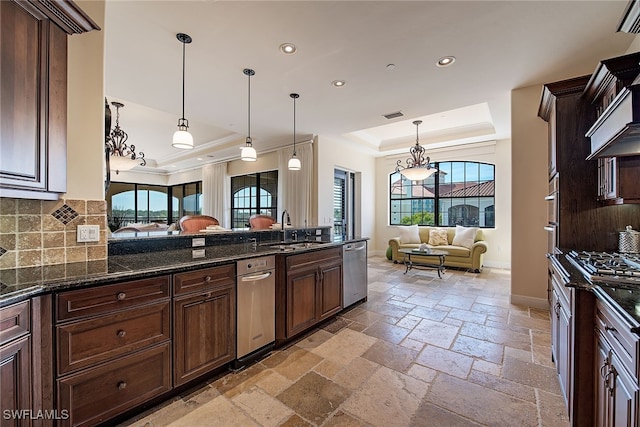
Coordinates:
(33, 107)
(614, 93)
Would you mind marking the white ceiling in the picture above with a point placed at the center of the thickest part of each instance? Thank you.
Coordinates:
(498, 45)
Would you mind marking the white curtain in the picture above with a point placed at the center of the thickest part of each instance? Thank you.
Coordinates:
(216, 189)
(294, 192)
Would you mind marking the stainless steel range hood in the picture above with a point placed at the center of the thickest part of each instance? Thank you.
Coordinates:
(616, 133)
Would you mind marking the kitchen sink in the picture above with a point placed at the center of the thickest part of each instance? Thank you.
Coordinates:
(293, 246)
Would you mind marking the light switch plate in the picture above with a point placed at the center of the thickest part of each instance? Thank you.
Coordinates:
(88, 233)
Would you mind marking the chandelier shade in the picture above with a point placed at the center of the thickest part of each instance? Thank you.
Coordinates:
(121, 156)
(294, 162)
(182, 138)
(248, 153)
(418, 166)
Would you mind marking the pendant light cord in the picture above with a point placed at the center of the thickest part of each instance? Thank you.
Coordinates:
(249, 109)
(183, 72)
(294, 126)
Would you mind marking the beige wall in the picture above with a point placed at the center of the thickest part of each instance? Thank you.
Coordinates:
(494, 152)
(529, 187)
(332, 154)
(85, 109)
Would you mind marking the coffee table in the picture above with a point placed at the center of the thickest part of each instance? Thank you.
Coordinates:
(433, 254)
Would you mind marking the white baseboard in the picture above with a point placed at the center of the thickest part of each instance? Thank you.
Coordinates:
(533, 302)
(505, 265)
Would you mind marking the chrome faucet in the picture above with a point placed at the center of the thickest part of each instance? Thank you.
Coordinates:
(284, 212)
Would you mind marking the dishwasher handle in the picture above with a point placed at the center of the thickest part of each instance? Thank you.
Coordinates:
(354, 248)
(256, 277)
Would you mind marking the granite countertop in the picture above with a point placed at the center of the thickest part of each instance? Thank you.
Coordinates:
(22, 283)
(624, 299)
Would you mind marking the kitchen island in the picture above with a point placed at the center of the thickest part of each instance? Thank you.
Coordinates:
(143, 325)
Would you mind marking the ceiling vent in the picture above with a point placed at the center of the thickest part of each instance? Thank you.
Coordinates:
(390, 116)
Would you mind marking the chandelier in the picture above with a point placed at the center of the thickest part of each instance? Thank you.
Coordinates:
(418, 167)
(120, 155)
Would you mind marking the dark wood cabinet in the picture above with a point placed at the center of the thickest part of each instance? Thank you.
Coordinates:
(26, 362)
(615, 370)
(113, 348)
(95, 395)
(572, 312)
(618, 180)
(614, 93)
(561, 336)
(33, 106)
(204, 321)
(15, 362)
(582, 222)
(312, 291)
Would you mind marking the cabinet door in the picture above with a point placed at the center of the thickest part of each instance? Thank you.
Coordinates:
(624, 396)
(301, 300)
(15, 377)
(564, 353)
(601, 391)
(204, 332)
(33, 104)
(330, 298)
(555, 326)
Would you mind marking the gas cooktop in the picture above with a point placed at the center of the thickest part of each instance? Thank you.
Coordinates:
(607, 267)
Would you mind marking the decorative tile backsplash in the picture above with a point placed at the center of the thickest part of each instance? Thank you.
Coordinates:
(43, 232)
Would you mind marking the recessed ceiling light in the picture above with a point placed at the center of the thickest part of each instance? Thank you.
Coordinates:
(288, 48)
(338, 83)
(445, 61)
(391, 66)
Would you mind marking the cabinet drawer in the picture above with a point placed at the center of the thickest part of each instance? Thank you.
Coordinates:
(618, 334)
(108, 298)
(88, 342)
(304, 260)
(15, 321)
(194, 281)
(95, 395)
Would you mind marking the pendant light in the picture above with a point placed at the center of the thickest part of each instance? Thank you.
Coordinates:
(248, 153)
(294, 162)
(182, 138)
(418, 167)
(121, 156)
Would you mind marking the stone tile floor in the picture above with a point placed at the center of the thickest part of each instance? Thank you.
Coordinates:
(422, 351)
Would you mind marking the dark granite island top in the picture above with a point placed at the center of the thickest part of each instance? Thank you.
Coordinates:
(22, 283)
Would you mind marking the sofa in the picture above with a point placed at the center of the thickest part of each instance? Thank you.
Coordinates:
(457, 255)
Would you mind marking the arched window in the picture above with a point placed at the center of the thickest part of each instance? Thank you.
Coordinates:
(251, 194)
(460, 193)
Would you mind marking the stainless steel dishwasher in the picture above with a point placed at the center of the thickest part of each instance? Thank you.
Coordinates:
(355, 273)
(256, 321)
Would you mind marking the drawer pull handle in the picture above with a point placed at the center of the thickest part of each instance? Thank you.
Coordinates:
(122, 333)
(609, 328)
(121, 296)
(122, 385)
(207, 278)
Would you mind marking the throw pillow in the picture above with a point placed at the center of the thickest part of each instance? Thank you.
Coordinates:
(409, 234)
(465, 236)
(437, 237)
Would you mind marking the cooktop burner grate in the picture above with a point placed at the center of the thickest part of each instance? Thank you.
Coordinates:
(605, 266)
